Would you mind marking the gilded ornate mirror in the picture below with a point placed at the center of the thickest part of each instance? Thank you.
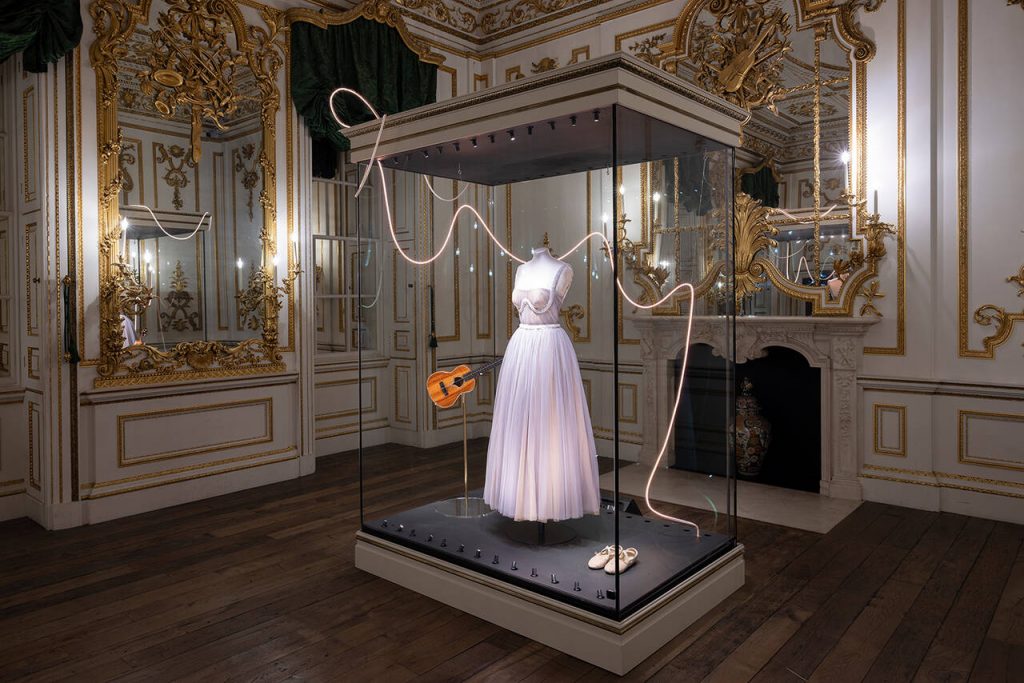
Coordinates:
(188, 98)
(807, 236)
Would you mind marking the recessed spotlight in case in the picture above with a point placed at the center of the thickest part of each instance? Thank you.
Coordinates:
(426, 154)
(474, 142)
(440, 149)
(597, 115)
(512, 135)
(572, 120)
(529, 130)
(491, 136)
(552, 124)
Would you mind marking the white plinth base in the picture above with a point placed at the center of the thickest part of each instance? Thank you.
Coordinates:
(616, 646)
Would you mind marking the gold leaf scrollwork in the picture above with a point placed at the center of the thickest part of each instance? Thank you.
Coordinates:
(1018, 3)
(570, 315)
(247, 172)
(1019, 279)
(637, 258)
(869, 294)
(125, 159)
(191, 64)
(740, 55)
(648, 48)
(991, 315)
(180, 317)
(545, 64)
(754, 234)
(175, 176)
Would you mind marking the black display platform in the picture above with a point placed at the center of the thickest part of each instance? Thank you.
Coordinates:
(668, 552)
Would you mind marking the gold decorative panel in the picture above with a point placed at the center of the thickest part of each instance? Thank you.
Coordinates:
(30, 144)
(990, 439)
(197, 430)
(889, 428)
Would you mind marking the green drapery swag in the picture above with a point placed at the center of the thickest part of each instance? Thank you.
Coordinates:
(761, 186)
(364, 55)
(43, 30)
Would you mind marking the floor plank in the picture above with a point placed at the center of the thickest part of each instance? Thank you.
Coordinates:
(260, 586)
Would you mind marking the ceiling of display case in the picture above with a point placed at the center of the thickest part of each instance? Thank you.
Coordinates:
(555, 147)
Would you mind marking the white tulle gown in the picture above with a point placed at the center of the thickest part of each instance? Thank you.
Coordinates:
(541, 460)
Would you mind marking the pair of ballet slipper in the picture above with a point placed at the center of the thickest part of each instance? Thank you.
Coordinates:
(614, 562)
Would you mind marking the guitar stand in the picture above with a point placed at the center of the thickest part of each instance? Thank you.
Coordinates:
(464, 505)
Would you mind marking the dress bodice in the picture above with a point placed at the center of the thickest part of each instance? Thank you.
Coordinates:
(538, 305)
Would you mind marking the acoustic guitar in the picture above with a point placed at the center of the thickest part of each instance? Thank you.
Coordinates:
(446, 386)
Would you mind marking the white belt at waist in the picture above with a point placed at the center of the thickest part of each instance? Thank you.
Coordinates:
(542, 326)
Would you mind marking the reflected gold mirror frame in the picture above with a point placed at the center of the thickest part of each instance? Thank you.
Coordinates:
(264, 48)
(753, 226)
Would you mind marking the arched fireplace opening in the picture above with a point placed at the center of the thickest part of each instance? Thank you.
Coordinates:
(786, 396)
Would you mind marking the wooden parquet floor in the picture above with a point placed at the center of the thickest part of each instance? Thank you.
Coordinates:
(260, 586)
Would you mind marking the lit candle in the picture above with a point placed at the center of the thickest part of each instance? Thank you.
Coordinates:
(124, 239)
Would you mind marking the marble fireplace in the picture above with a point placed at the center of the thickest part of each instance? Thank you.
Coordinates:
(833, 345)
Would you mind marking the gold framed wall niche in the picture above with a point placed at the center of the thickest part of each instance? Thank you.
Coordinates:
(210, 40)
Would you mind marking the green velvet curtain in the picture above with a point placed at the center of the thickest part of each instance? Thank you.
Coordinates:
(363, 55)
(43, 30)
(762, 186)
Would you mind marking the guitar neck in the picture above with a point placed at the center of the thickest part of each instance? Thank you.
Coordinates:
(482, 370)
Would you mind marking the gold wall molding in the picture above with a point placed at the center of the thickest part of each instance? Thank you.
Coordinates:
(900, 349)
(32, 356)
(964, 418)
(123, 460)
(35, 416)
(244, 459)
(935, 480)
(579, 54)
(351, 412)
(989, 315)
(878, 436)
(29, 143)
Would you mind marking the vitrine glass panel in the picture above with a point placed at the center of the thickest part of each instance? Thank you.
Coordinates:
(535, 299)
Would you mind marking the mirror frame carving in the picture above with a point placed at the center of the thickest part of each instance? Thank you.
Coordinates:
(265, 49)
(754, 225)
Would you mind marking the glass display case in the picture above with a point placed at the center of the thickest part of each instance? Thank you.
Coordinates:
(521, 250)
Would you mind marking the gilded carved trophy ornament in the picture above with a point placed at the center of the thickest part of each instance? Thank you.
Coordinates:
(204, 65)
(742, 51)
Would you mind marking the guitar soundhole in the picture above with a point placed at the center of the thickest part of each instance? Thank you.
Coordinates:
(458, 381)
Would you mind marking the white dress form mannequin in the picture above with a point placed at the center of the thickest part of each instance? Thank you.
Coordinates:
(541, 459)
(541, 271)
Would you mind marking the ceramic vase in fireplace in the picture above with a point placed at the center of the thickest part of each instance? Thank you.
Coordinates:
(753, 432)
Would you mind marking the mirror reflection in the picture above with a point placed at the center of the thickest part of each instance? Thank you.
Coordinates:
(192, 181)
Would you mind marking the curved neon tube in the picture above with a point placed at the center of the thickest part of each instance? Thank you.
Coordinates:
(164, 230)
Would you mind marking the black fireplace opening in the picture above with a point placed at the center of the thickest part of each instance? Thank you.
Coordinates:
(788, 393)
